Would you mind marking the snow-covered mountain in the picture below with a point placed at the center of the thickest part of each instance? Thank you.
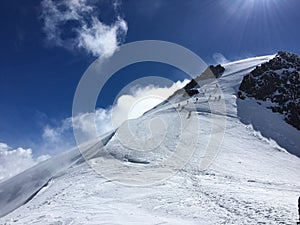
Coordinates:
(222, 160)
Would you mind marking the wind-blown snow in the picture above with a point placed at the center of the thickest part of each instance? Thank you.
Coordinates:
(253, 180)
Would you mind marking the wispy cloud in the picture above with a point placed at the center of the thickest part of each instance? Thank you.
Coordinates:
(219, 58)
(14, 161)
(75, 24)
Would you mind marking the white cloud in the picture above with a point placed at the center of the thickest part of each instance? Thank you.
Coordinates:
(14, 161)
(84, 123)
(128, 106)
(57, 139)
(75, 24)
(140, 100)
(220, 58)
(50, 134)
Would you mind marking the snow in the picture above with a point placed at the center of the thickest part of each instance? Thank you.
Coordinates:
(251, 179)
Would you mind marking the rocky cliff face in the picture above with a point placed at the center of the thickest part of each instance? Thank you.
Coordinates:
(277, 81)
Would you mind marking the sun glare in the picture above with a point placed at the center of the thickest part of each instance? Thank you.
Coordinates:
(246, 18)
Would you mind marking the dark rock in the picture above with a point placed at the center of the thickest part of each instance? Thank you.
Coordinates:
(192, 92)
(240, 95)
(217, 70)
(278, 81)
(190, 85)
(189, 88)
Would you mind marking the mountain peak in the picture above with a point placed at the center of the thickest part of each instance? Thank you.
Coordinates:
(289, 57)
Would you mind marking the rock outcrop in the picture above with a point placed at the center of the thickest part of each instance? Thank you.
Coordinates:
(277, 81)
(211, 71)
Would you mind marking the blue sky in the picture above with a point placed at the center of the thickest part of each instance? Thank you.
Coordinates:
(38, 77)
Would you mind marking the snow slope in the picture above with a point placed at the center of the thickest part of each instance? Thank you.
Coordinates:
(252, 180)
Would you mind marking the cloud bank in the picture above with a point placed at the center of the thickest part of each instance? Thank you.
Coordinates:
(14, 161)
(75, 24)
(127, 106)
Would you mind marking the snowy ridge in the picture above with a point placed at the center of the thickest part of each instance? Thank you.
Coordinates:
(253, 180)
(20, 189)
